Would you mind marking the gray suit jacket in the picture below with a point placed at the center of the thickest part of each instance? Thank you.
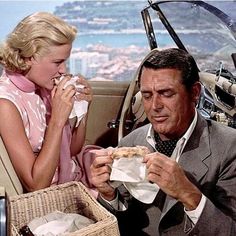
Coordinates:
(209, 162)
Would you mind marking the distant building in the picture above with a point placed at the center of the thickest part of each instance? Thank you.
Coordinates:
(87, 63)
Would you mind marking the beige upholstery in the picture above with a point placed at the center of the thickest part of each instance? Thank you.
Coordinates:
(8, 177)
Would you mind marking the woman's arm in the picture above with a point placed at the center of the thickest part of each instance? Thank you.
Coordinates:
(78, 137)
(35, 172)
(79, 133)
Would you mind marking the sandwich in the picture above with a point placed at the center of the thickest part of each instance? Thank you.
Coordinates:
(72, 81)
(129, 152)
(59, 78)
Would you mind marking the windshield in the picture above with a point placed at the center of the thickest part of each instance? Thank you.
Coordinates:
(208, 36)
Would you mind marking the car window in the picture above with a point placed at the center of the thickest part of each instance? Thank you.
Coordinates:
(203, 34)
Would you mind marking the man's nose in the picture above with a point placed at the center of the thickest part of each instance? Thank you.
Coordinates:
(156, 102)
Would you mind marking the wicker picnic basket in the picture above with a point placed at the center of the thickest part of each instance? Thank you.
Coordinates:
(72, 197)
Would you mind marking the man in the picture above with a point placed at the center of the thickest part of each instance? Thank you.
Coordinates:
(192, 160)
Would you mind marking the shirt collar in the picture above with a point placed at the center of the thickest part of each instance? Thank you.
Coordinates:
(21, 82)
(190, 129)
(182, 141)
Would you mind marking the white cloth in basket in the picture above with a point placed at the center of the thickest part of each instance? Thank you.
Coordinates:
(58, 223)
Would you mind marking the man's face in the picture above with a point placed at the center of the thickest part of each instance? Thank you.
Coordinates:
(44, 69)
(168, 105)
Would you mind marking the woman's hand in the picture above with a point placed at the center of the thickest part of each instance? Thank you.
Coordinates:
(84, 93)
(62, 100)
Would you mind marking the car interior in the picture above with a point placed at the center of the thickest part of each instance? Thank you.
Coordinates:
(116, 108)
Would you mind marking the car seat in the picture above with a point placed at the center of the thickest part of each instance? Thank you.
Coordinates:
(8, 177)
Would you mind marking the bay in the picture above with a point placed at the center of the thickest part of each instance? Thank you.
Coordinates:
(118, 40)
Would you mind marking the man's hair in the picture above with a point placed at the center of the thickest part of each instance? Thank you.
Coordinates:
(173, 58)
(34, 36)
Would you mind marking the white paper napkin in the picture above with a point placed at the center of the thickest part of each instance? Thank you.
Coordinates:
(128, 170)
(80, 108)
(132, 173)
(143, 191)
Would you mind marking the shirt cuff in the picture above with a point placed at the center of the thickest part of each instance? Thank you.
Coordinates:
(195, 214)
(115, 203)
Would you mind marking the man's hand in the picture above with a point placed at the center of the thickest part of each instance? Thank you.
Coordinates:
(170, 177)
(100, 173)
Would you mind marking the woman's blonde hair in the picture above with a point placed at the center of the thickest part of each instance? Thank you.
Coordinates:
(34, 36)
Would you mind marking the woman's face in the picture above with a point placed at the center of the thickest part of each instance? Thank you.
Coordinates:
(45, 68)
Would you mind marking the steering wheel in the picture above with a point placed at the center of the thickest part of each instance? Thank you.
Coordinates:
(132, 102)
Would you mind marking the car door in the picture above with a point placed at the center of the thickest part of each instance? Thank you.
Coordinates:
(103, 120)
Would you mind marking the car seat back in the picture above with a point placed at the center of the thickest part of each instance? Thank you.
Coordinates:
(8, 177)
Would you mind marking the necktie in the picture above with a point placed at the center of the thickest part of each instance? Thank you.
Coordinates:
(166, 147)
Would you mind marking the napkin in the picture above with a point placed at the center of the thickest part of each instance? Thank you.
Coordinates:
(80, 108)
(57, 223)
(132, 173)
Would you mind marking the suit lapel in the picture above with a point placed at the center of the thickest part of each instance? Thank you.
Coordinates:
(193, 158)
(196, 151)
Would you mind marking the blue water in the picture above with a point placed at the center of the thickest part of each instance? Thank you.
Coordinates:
(13, 11)
(140, 40)
(117, 40)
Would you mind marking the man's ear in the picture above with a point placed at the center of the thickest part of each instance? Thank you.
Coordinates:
(195, 92)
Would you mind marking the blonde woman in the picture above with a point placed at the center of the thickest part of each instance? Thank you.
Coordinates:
(34, 125)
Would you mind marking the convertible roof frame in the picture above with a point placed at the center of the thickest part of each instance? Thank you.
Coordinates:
(229, 22)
